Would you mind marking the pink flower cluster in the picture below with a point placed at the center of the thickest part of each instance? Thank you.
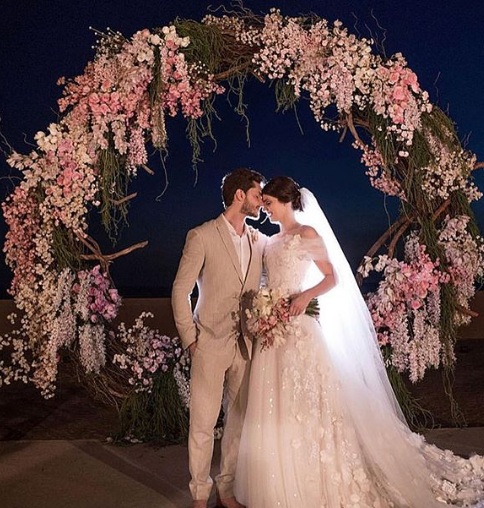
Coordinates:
(406, 307)
(148, 353)
(268, 319)
(23, 228)
(377, 172)
(328, 63)
(111, 99)
(97, 300)
(185, 85)
(396, 95)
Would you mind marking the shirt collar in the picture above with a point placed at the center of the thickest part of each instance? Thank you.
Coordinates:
(232, 229)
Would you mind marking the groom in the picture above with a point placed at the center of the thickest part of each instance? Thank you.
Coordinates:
(224, 258)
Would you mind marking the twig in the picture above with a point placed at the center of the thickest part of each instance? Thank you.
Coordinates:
(105, 259)
(343, 134)
(441, 209)
(467, 312)
(147, 169)
(399, 233)
(110, 257)
(233, 70)
(351, 127)
(396, 226)
(123, 200)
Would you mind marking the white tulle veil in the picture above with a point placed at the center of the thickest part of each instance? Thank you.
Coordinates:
(347, 323)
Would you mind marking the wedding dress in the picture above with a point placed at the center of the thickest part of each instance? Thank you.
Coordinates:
(323, 428)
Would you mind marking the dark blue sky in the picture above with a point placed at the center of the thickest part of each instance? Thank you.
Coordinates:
(42, 40)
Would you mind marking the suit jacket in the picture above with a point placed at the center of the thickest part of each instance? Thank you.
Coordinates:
(209, 259)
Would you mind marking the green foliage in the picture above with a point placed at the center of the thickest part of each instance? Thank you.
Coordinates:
(67, 249)
(113, 187)
(154, 416)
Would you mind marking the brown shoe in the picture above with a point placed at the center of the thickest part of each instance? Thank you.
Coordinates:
(200, 503)
(228, 502)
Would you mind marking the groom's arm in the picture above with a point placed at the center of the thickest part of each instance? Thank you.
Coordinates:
(188, 271)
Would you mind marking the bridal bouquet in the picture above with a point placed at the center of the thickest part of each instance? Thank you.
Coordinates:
(269, 318)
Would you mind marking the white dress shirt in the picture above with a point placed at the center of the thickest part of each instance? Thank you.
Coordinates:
(242, 247)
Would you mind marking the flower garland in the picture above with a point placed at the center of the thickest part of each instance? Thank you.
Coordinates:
(108, 114)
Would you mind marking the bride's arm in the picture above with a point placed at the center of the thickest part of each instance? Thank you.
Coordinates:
(300, 301)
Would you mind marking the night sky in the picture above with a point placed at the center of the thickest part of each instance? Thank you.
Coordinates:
(42, 40)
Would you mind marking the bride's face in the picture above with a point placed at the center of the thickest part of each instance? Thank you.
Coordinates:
(274, 208)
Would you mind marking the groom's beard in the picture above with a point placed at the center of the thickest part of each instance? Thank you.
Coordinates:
(250, 210)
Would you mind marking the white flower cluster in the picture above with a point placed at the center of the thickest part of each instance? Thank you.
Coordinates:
(62, 312)
(448, 171)
(147, 353)
(465, 257)
(241, 32)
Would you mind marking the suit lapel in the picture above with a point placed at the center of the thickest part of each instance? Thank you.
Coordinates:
(251, 257)
(229, 245)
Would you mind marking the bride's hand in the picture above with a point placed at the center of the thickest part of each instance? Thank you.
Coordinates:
(298, 305)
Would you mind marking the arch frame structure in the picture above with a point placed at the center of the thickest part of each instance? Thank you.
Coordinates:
(429, 259)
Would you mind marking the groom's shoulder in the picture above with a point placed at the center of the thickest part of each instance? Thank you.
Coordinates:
(205, 227)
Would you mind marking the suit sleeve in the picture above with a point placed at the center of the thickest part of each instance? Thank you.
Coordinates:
(189, 269)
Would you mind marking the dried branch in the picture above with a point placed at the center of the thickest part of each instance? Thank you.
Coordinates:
(147, 169)
(108, 258)
(105, 259)
(389, 232)
(352, 128)
(396, 226)
(478, 165)
(398, 235)
(343, 134)
(123, 200)
(441, 209)
(467, 312)
(221, 76)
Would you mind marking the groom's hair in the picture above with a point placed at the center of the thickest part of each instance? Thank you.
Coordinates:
(240, 178)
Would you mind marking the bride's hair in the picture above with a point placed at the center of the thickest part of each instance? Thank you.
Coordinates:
(285, 189)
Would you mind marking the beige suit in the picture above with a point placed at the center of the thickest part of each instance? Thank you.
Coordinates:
(223, 348)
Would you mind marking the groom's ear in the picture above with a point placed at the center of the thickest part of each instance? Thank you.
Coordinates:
(239, 195)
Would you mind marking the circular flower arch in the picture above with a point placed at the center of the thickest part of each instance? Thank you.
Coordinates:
(429, 259)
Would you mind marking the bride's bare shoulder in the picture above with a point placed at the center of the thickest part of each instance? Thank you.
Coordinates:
(308, 232)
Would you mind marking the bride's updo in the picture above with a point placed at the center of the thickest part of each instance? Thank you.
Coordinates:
(285, 189)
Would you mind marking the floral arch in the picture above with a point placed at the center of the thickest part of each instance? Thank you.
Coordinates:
(429, 259)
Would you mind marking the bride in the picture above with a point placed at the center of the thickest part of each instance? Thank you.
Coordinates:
(323, 427)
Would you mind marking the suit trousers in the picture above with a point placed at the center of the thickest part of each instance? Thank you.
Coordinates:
(216, 377)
